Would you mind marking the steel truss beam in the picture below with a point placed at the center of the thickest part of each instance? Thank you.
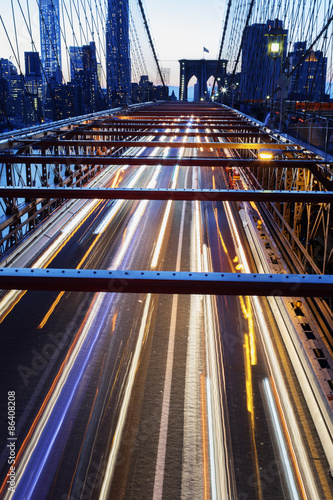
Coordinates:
(167, 194)
(158, 160)
(306, 228)
(162, 144)
(206, 119)
(142, 133)
(290, 285)
(149, 126)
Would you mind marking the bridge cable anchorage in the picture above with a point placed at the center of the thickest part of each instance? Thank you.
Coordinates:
(145, 22)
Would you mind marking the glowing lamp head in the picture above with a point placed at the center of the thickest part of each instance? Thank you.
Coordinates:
(275, 47)
(265, 155)
(269, 154)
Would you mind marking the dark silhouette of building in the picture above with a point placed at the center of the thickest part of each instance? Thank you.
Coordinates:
(84, 74)
(33, 86)
(19, 105)
(76, 60)
(173, 97)
(257, 66)
(308, 81)
(32, 64)
(49, 18)
(118, 64)
(146, 91)
(7, 71)
(202, 69)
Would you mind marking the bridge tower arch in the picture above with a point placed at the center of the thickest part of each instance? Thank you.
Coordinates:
(202, 69)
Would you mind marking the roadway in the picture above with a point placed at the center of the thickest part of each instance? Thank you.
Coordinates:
(147, 396)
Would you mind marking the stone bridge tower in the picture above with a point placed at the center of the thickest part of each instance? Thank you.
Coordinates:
(202, 69)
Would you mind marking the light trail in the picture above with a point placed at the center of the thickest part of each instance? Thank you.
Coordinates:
(204, 419)
(56, 399)
(211, 442)
(162, 441)
(302, 468)
(159, 242)
(280, 440)
(111, 462)
(134, 223)
(192, 410)
(221, 487)
(115, 209)
(38, 443)
(98, 232)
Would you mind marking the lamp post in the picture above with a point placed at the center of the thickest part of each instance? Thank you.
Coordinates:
(275, 49)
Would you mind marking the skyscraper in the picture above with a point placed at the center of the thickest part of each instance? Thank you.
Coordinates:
(118, 63)
(308, 80)
(32, 64)
(50, 42)
(257, 67)
(76, 60)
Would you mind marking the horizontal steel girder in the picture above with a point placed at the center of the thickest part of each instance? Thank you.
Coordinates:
(149, 126)
(155, 161)
(173, 145)
(290, 285)
(204, 120)
(166, 194)
(142, 133)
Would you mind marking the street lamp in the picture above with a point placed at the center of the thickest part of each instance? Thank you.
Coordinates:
(275, 48)
(269, 154)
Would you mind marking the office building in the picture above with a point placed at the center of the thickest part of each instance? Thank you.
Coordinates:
(118, 63)
(308, 80)
(49, 17)
(257, 67)
(32, 64)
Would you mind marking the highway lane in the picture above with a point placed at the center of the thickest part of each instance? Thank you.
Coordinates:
(190, 418)
(37, 358)
(264, 461)
(251, 343)
(68, 257)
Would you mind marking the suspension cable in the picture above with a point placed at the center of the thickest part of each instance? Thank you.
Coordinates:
(145, 22)
(221, 46)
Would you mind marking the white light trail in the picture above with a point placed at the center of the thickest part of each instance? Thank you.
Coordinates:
(104, 494)
(158, 246)
(133, 224)
(296, 441)
(280, 440)
(211, 441)
(119, 203)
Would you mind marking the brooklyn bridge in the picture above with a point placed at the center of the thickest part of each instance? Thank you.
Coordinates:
(166, 285)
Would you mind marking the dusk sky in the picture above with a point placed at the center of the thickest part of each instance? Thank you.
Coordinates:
(182, 28)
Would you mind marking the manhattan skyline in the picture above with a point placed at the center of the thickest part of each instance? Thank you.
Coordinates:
(180, 30)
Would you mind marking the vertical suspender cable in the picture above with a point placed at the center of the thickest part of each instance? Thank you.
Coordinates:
(221, 46)
(145, 22)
